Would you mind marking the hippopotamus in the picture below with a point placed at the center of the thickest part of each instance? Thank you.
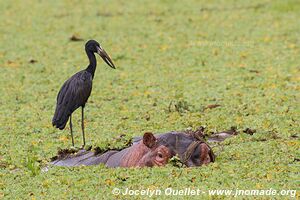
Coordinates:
(147, 151)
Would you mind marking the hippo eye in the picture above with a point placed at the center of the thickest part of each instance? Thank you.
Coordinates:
(160, 155)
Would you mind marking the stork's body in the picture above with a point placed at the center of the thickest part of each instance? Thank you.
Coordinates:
(76, 90)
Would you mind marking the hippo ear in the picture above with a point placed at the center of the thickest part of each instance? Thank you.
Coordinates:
(199, 133)
(149, 140)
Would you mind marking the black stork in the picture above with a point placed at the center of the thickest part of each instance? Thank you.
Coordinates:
(76, 90)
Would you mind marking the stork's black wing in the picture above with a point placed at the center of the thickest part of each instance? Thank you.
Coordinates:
(73, 94)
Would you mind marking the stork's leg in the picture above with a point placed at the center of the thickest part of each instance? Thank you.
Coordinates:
(71, 129)
(82, 125)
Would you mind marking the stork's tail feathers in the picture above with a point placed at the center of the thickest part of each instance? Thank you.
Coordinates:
(60, 118)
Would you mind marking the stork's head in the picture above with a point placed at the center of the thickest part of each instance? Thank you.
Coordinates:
(95, 47)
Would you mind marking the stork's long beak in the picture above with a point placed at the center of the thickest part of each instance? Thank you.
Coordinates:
(105, 57)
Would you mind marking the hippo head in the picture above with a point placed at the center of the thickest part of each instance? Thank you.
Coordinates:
(192, 151)
(157, 154)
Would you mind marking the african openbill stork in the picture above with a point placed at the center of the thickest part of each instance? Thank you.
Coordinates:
(76, 90)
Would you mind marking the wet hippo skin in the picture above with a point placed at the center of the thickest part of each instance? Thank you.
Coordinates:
(147, 151)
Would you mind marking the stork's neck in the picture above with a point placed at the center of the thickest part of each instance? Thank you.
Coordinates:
(93, 62)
